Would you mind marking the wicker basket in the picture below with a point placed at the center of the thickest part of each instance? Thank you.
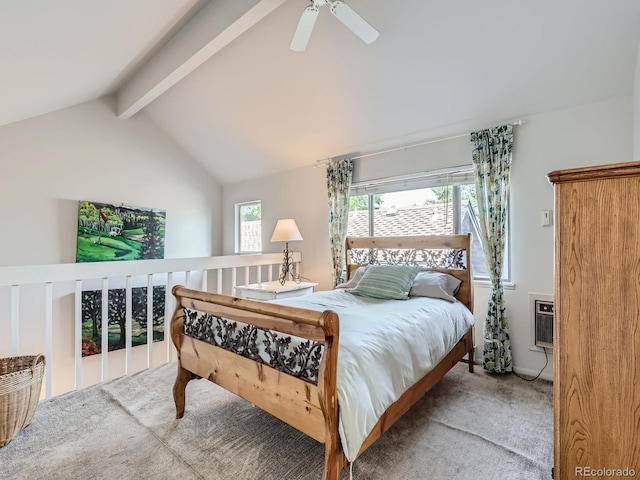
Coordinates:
(20, 384)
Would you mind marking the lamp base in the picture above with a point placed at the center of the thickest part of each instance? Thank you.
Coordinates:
(288, 267)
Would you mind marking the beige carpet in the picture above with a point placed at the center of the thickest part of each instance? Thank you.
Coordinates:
(469, 427)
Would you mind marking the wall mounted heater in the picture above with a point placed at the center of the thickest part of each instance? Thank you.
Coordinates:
(543, 323)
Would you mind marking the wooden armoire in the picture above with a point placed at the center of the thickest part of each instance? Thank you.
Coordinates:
(597, 322)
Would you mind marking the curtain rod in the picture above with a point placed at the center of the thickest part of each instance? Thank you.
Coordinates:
(325, 161)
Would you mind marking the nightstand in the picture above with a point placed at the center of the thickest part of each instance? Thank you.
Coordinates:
(274, 290)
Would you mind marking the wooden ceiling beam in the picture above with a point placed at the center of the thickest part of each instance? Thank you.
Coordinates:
(213, 28)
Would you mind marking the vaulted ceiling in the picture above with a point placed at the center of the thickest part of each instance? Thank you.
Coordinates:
(218, 75)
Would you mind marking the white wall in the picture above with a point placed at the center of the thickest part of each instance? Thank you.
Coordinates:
(586, 135)
(300, 194)
(636, 108)
(85, 152)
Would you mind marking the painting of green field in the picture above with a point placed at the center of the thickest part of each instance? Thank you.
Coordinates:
(117, 324)
(108, 232)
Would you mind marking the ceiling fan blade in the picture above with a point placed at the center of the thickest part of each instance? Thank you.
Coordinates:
(354, 22)
(305, 27)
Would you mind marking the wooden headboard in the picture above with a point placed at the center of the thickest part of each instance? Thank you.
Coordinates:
(440, 253)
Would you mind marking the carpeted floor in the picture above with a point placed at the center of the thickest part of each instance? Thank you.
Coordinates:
(469, 427)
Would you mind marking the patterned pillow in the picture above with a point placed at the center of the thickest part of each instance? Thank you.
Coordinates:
(389, 282)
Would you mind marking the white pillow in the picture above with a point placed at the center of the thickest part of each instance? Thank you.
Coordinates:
(435, 285)
(355, 278)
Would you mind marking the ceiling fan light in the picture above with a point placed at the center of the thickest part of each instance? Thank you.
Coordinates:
(354, 22)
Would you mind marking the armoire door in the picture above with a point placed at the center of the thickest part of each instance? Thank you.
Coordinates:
(597, 324)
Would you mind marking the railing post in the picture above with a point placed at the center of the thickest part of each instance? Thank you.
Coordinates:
(48, 335)
(234, 274)
(150, 320)
(205, 280)
(168, 312)
(15, 319)
(105, 329)
(78, 335)
(128, 314)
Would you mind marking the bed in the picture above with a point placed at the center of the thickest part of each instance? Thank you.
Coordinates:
(283, 357)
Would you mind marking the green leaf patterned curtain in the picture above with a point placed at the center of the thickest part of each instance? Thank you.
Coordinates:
(339, 173)
(492, 165)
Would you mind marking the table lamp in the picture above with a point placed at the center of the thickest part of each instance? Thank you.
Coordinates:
(286, 231)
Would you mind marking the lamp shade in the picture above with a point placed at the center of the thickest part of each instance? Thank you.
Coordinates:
(286, 231)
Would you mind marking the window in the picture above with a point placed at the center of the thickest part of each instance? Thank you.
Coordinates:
(443, 204)
(249, 227)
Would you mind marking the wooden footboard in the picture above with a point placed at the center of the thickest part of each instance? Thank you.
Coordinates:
(309, 407)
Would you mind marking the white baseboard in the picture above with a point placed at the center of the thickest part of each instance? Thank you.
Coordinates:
(534, 348)
(545, 375)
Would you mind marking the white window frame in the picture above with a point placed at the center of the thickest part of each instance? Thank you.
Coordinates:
(436, 178)
(238, 227)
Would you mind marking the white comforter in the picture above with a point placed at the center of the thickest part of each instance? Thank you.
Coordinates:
(385, 347)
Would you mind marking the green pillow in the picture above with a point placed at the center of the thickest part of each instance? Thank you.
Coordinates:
(389, 282)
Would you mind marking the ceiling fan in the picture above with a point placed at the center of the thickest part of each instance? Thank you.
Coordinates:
(342, 12)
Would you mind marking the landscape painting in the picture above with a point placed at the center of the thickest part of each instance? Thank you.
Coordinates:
(117, 327)
(108, 232)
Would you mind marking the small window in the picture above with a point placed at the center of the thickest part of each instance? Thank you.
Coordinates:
(249, 227)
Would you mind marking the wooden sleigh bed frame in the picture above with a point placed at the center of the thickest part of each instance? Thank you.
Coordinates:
(309, 407)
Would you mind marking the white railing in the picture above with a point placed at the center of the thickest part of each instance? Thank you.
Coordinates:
(39, 303)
